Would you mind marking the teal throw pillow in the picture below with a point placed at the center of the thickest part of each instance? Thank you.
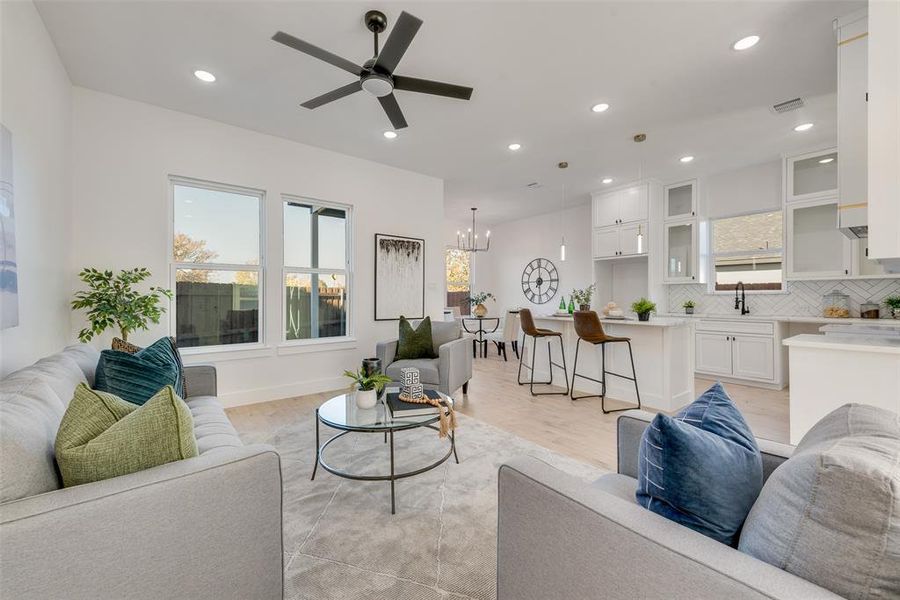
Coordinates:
(415, 343)
(137, 377)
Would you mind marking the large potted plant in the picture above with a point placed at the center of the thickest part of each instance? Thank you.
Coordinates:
(893, 302)
(111, 301)
(367, 386)
(583, 297)
(643, 308)
(478, 300)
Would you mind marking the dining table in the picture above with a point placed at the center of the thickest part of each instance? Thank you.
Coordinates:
(478, 342)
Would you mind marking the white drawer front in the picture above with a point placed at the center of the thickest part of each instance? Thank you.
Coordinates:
(754, 327)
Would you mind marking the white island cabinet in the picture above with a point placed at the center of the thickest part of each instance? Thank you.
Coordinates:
(663, 358)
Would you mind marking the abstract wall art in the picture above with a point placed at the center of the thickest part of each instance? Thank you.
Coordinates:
(9, 279)
(399, 277)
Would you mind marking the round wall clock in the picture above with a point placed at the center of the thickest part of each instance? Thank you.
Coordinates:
(540, 281)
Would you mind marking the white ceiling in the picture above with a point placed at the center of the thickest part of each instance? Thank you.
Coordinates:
(666, 68)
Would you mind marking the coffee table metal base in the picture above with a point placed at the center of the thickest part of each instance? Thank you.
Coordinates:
(389, 435)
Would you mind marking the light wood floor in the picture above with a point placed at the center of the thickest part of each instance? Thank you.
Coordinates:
(577, 429)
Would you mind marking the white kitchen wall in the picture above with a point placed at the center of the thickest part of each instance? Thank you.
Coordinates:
(748, 189)
(124, 152)
(36, 108)
(515, 243)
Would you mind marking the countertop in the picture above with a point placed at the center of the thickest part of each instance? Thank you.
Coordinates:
(852, 343)
(789, 319)
(655, 321)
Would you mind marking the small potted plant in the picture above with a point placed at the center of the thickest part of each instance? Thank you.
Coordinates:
(367, 386)
(478, 300)
(643, 308)
(688, 307)
(583, 297)
(893, 302)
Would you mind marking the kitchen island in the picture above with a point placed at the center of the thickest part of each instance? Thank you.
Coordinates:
(663, 358)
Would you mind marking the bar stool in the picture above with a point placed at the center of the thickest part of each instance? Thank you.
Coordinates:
(528, 329)
(589, 329)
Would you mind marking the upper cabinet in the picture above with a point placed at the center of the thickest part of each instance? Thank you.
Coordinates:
(682, 250)
(680, 200)
(816, 249)
(812, 175)
(625, 205)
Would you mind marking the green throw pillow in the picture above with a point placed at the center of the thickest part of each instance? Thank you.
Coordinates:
(102, 436)
(136, 377)
(415, 343)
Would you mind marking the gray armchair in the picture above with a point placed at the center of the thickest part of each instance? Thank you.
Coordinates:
(448, 372)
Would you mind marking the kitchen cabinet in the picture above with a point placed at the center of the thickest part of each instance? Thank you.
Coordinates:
(625, 205)
(752, 357)
(816, 249)
(743, 350)
(621, 240)
(811, 175)
(852, 92)
(713, 351)
(681, 251)
(680, 200)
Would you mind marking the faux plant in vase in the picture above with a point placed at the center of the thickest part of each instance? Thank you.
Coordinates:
(643, 308)
(688, 307)
(893, 302)
(367, 386)
(583, 297)
(112, 302)
(478, 300)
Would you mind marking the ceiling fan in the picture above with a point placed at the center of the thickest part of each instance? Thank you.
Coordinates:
(376, 75)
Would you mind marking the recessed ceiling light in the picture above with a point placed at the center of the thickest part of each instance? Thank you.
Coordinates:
(747, 42)
(686, 159)
(602, 107)
(803, 127)
(825, 161)
(390, 134)
(607, 180)
(514, 147)
(205, 76)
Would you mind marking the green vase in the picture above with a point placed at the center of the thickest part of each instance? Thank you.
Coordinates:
(562, 304)
(571, 306)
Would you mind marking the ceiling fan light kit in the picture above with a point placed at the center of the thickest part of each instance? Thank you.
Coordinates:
(376, 75)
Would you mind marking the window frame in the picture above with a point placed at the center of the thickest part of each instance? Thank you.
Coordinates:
(260, 269)
(447, 282)
(347, 271)
(711, 267)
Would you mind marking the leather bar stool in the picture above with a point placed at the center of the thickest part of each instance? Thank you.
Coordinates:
(590, 330)
(529, 330)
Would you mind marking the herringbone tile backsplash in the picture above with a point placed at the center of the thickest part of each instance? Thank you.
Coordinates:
(802, 299)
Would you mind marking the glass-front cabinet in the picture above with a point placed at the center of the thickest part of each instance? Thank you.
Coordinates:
(680, 200)
(816, 247)
(811, 175)
(681, 251)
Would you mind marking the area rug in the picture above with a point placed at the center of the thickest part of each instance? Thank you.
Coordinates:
(340, 539)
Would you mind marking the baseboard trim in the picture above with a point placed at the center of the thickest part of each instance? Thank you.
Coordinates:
(266, 394)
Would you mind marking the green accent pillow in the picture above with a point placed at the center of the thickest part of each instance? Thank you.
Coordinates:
(102, 436)
(415, 343)
(136, 377)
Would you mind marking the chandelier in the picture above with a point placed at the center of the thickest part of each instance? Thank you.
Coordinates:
(468, 242)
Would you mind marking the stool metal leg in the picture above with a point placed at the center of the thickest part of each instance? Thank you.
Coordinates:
(531, 382)
(632, 378)
(575, 375)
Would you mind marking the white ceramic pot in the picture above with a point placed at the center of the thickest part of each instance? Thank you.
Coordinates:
(366, 398)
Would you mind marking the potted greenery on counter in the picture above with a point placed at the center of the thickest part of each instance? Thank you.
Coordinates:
(583, 297)
(688, 307)
(643, 308)
(893, 302)
(367, 386)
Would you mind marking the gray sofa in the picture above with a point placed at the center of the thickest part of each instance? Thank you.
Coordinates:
(203, 528)
(561, 538)
(451, 370)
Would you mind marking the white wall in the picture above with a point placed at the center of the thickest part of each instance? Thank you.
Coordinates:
(515, 243)
(36, 108)
(124, 152)
(748, 189)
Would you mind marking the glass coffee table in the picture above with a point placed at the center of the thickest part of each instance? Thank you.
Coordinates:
(341, 413)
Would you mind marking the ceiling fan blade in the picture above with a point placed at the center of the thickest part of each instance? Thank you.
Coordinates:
(426, 86)
(333, 95)
(316, 52)
(398, 41)
(390, 106)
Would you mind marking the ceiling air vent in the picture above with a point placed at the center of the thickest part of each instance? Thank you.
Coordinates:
(783, 107)
(533, 185)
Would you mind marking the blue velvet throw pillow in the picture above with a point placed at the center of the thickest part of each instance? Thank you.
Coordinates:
(138, 377)
(702, 467)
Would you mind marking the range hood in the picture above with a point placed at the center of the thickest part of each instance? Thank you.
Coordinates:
(853, 220)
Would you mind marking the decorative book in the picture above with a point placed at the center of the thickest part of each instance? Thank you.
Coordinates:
(401, 408)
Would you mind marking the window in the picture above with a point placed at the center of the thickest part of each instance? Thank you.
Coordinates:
(316, 269)
(458, 279)
(216, 263)
(748, 248)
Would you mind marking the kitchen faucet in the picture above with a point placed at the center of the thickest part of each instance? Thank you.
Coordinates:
(740, 302)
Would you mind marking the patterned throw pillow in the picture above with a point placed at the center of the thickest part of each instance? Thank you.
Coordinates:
(137, 377)
(415, 343)
(102, 436)
(702, 467)
(123, 346)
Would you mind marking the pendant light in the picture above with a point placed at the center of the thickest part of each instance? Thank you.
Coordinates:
(562, 206)
(640, 234)
(468, 242)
